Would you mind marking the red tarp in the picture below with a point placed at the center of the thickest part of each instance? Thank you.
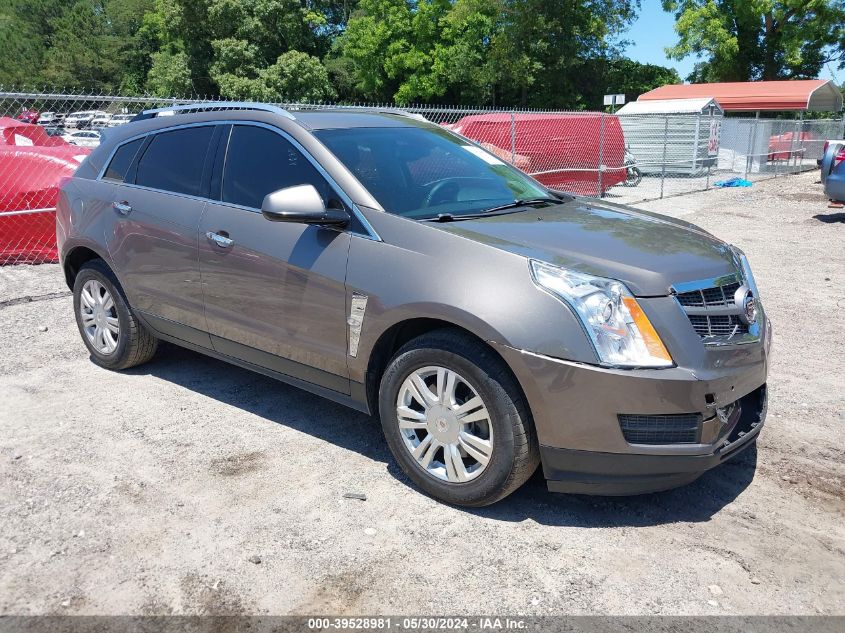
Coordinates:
(562, 151)
(32, 163)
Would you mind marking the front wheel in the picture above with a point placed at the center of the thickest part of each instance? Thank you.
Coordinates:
(456, 421)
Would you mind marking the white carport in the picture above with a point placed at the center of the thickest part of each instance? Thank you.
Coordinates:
(673, 136)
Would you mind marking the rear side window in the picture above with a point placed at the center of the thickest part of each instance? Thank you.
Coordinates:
(174, 160)
(259, 161)
(121, 161)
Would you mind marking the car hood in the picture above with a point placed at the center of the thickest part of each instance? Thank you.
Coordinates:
(647, 251)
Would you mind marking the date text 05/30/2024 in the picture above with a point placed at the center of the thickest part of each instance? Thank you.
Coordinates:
(418, 623)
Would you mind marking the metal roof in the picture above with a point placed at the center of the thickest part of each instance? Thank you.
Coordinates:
(671, 106)
(812, 95)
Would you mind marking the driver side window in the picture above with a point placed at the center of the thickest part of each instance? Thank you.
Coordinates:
(260, 161)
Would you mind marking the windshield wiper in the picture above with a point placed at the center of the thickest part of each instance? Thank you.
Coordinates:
(522, 203)
(516, 204)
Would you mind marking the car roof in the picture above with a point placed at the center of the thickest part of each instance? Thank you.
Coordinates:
(349, 118)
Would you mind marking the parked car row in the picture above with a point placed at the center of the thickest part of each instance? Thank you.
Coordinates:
(83, 119)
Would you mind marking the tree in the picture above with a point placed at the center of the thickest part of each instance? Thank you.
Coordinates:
(83, 52)
(26, 32)
(526, 52)
(625, 76)
(169, 75)
(295, 76)
(745, 40)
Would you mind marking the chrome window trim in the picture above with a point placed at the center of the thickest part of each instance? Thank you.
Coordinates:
(154, 190)
(370, 234)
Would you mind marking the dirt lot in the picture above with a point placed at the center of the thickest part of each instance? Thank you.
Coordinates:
(191, 486)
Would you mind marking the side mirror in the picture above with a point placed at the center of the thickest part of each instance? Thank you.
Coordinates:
(301, 204)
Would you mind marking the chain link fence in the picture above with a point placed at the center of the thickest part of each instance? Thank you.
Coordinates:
(44, 136)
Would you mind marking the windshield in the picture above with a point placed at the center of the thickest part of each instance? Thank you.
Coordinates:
(423, 172)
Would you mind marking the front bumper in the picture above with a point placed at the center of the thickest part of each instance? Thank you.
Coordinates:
(582, 445)
(586, 472)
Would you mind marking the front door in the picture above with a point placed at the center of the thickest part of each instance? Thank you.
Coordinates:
(153, 240)
(274, 292)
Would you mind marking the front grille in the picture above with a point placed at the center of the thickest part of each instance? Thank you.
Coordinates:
(717, 296)
(722, 325)
(681, 428)
(712, 311)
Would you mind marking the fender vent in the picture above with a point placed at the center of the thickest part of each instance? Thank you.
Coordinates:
(681, 428)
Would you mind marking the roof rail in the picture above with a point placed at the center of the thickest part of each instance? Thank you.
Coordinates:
(405, 113)
(382, 110)
(212, 106)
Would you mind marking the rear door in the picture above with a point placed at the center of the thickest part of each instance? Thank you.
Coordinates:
(157, 210)
(274, 292)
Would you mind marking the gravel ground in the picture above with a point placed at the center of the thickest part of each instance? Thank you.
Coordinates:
(191, 486)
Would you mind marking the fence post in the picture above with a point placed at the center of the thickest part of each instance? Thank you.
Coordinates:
(709, 164)
(601, 156)
(513, 137)
(792, 154)
(696, 146)
(752, 138)
(663, 163)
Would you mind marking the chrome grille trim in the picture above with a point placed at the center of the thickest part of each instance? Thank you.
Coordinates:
(709, 306)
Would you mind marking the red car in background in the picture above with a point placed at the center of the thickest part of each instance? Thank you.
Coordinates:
(29, 116)
(583, 152)
(32, 163)
(785, 146)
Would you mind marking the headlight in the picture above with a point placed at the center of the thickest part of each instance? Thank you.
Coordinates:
(619, 329)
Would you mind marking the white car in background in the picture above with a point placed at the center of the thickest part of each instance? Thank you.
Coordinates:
(120, 119)
(101, 120)
(82, 119)
(51, 119)
(83, 138)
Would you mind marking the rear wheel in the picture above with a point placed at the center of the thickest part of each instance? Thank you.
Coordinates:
(633, 177)
(113, 335)
(456, 421)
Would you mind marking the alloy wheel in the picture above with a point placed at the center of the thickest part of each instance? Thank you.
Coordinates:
(444, 424)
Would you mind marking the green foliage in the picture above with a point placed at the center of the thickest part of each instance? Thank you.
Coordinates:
(169, 75)
(624, 76)
(758, 39)
(537, 53)
(295, 76)
(531, 52)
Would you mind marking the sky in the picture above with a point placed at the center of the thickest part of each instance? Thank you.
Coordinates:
(654, 30)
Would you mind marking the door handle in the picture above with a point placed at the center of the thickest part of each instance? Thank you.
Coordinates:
(221, 239)
(123, 208)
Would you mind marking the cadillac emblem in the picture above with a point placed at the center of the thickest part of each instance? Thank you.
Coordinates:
(746, 304)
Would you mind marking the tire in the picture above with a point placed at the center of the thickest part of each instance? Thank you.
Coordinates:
(133, 344)
(514, 451)
(633, 178)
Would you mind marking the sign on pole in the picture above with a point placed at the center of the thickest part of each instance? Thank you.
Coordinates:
(614, 100)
